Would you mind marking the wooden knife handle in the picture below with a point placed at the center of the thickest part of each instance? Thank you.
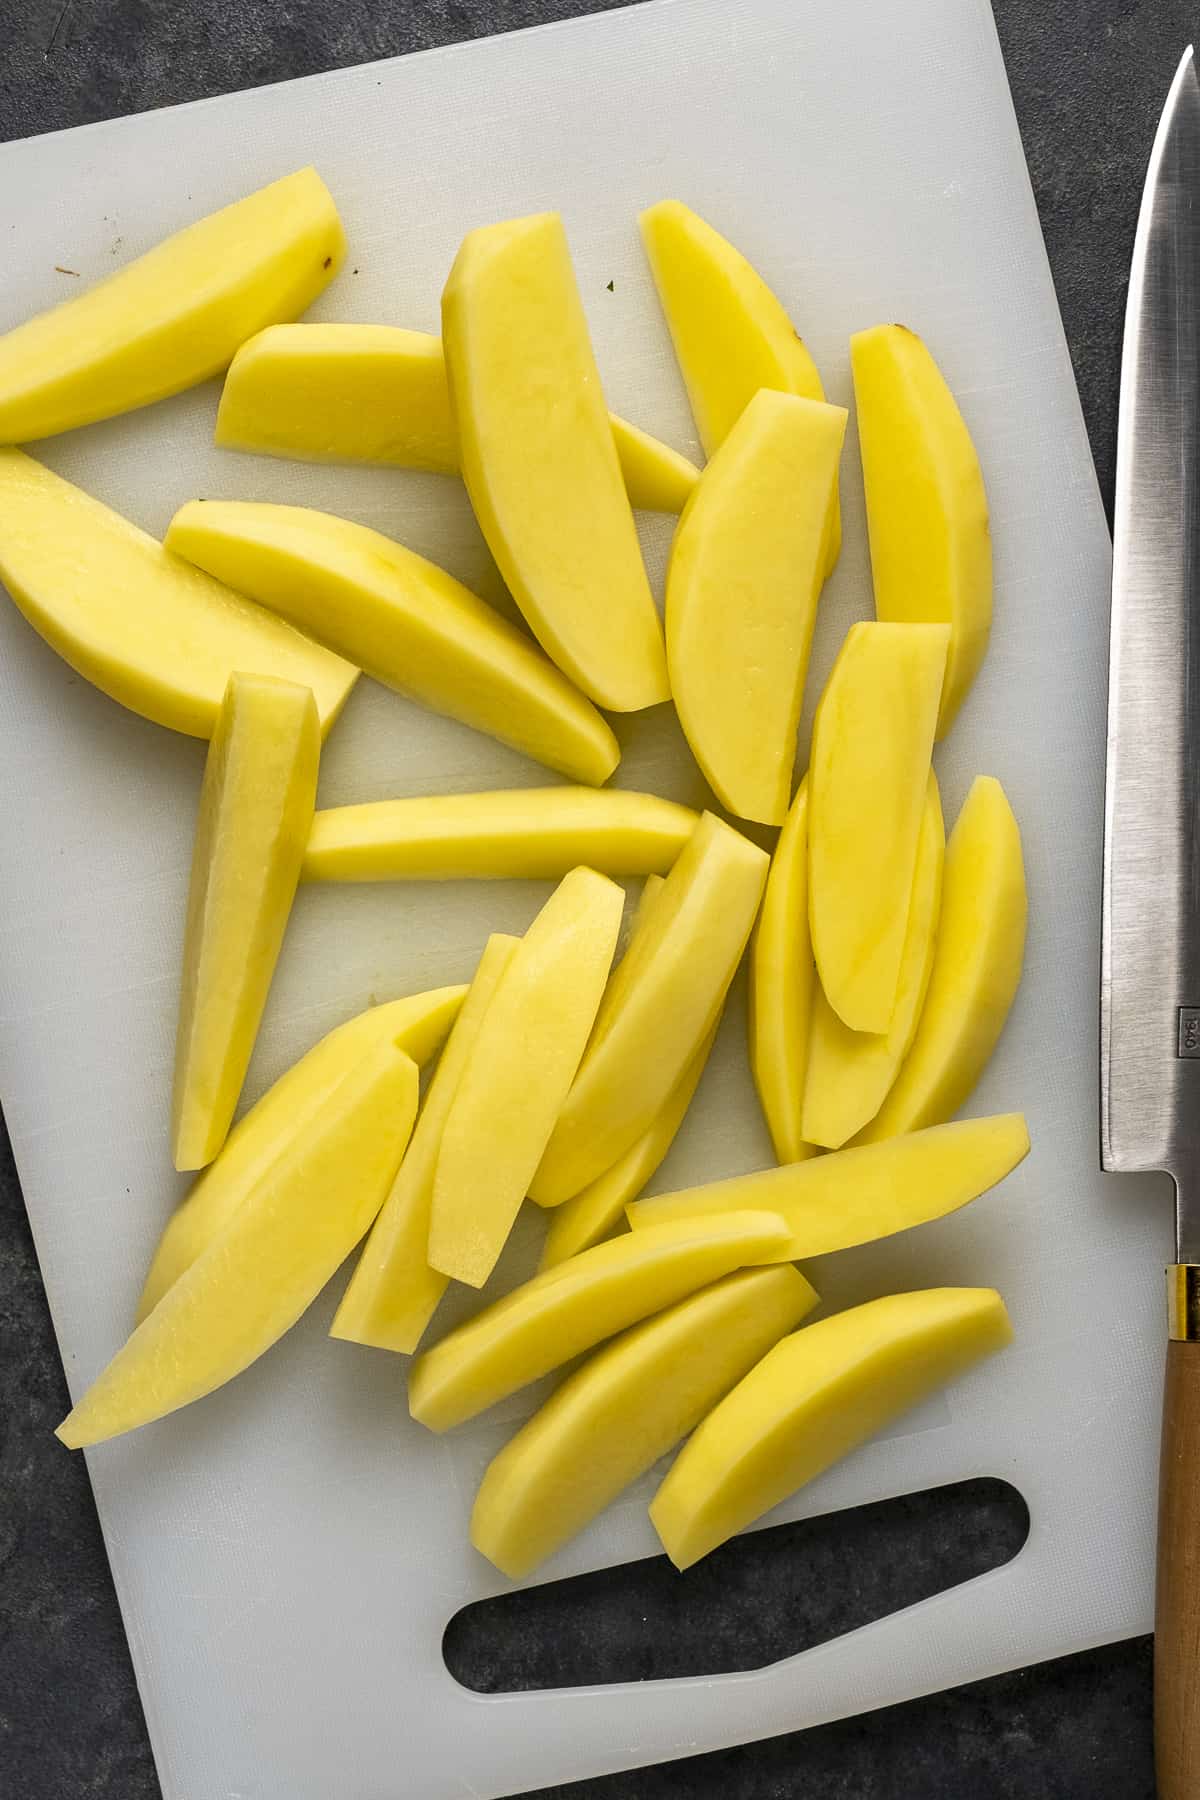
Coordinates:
(1177, 1600)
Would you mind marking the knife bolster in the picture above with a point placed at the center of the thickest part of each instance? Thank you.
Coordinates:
(1183, 1303)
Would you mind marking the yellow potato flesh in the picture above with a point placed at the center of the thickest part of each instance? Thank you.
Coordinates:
(568, 1309)
(411, 625)
(977, 959)
(518, 1072)
(341, 393)
(730, 332)
(256, 809)
(176, 315)
(535, 834)
(378, 394)
(857, 1195)
(599, 1210)
(782, 986)
(294, 1227)
(628, 1405)
(416, 1025)
(539, 460)
(145, 628)
(633, 949)
(746, 571)
(866, 793)
(657, 478)
(393, 1292)
(927, 513)
(850, 1072)
(813, 1398)
(669, 1001)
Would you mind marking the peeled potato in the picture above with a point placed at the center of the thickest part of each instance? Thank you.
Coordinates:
(256, 807)
(378, 394)
(625, 1407)
(568, 1309)
(977, 958)
(872, 739)
(927, 513)
(544, 479)
(176, 315)
(813, 1398)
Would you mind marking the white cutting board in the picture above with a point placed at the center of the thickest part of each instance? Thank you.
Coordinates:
(289, 1551)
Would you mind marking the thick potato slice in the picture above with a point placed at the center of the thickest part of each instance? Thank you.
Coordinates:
(539, 460)
(378, 394)
(256, 810)
(341, 393)
(628, 1405)
(782, 987)
(413, 627)
(599, 1210)
(657, 478)
(416, 1025)
(294, 1227)
(176, 315)
(393, 1293)
(145, 628)
(568, 1309)
(855, 1196)
(671, 985)
(530, 834)
(518, 1072)
(746, 571)
(927, 513)
(813, 1398)
(867, 781)
(977, 959)
(849, 1072)
(731, 335)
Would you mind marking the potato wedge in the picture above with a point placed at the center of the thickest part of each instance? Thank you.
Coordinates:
(599, 1211)
(731, 335)
(849, 1072)
(872, 739)
(413, 626)
(625, 1407)
(657, 478)
(746, 571)
(416, 1025)
(977, 958)
(294, 1227)
(378, 394)
(393, 1293)
(544, 479)
(782, 987)
(148, 630)
(813, 1398)
(927, 513)
(856, 1195)
(568, 1309)
(517, 1074)
(174, 316)
(529, 834)
(256, 809)
(672, 984)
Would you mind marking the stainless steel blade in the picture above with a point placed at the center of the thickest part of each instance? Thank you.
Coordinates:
(1150, 998)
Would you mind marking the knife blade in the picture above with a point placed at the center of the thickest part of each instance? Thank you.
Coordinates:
(1150, 974)
(1150, 955)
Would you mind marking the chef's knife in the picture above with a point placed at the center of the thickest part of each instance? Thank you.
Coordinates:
(1150, 979)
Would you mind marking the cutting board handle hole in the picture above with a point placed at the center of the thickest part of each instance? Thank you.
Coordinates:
(765, 1596)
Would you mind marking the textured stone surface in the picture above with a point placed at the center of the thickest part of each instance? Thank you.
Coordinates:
(1088, 83)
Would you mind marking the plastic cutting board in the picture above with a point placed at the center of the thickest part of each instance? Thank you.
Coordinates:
(288, 1552)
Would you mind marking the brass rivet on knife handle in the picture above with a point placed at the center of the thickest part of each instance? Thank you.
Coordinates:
(1183, 1303)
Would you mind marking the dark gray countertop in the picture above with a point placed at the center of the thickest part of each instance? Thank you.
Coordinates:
(1088, 84)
